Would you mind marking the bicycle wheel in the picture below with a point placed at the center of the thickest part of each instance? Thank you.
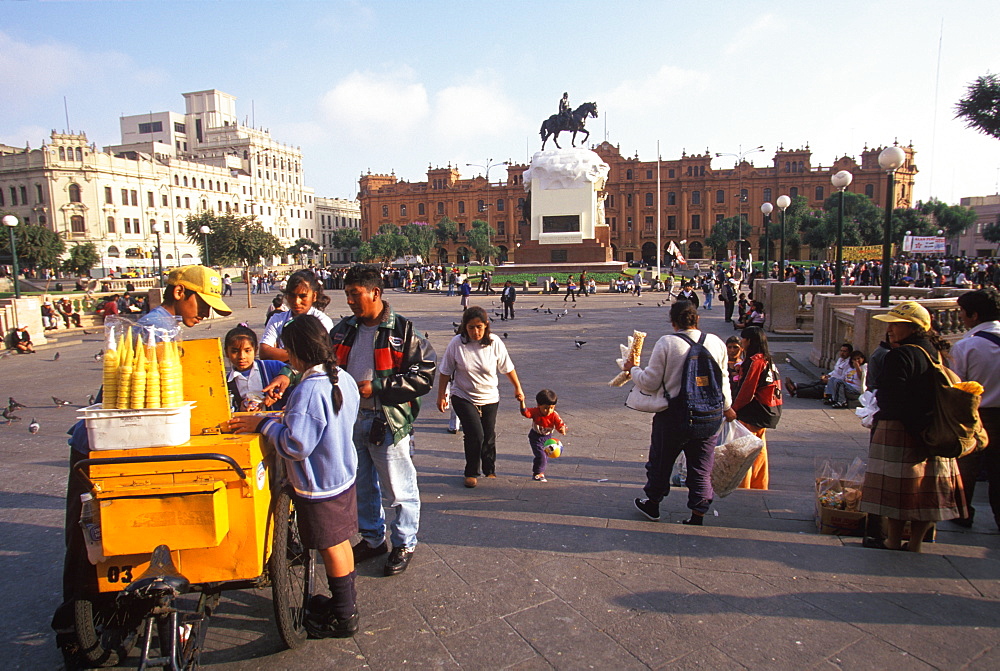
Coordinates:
(291, 568)
(106, 632)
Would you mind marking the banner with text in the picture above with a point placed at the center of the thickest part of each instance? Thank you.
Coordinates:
(863, 253)
(923, 244)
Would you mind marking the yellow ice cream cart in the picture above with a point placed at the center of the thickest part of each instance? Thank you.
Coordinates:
(211, 514)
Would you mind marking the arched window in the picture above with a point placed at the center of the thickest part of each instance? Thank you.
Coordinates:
(802, 166)
(74, 193)
(62, 153)
(402, 209)
(696, 197)
(628, 174)
(788, 166)
(649, 200)
(113, 252)
(870, 190)
(79, 154)
(203, 183)
(185, 180)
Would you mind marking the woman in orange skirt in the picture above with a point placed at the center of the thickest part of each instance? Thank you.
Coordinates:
(757, 400)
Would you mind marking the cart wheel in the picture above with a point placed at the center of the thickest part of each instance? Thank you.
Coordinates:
(291, 568)
(106, 633)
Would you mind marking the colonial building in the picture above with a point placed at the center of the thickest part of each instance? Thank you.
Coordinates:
(335, 214)
(167, 167)
(692, 197)
(972, 242)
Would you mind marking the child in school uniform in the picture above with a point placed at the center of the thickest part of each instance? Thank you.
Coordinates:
(544, 422)
(315, 441)
(249, 375)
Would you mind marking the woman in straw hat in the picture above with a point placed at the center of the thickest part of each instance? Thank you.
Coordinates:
(902, 483)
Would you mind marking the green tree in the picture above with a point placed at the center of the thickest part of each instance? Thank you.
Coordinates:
(81, 259)
(981, 106)
(446, 231)
(725, 231)
(421, 236)
(302, 247)
(366, 253)
(348, 239)
(37, 246)
(234, 240)
(991, 233)
(480, 239)
(388, 244)
(953, 219)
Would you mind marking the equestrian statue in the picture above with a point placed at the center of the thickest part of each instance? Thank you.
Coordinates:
(567, 120)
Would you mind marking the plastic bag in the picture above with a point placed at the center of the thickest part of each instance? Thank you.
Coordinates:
(840, 488)
(735, 453)
(867, 410)
(678, 477)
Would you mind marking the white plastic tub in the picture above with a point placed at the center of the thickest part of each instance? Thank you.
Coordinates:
(125, 429)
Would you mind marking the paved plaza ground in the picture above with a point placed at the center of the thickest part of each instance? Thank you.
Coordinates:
(565, 574)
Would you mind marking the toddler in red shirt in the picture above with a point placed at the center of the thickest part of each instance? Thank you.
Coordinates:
(544, 421)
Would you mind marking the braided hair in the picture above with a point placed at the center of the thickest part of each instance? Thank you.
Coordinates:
(306, 338)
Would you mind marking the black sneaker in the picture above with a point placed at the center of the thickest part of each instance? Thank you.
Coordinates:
(398, 560)
(695, 520)
(363, 551)
(325, 625)
(650, 509)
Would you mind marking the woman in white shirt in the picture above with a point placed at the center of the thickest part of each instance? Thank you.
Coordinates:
(304, 296)
(853, 383)
(472, 364)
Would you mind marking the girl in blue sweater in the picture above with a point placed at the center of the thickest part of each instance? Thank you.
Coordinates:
(315, 441)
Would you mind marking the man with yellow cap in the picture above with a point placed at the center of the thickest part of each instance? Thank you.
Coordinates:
(192, 292)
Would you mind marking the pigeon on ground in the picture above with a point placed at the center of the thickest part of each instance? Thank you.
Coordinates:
(34, 426)
(14, 405)
(580, 343)
(549, 311)
(99, 356)
(579, 315)
(59, 402)
(91, 400)
(505, 335)
(535, 309)
(427, 336)
(86, 332)
(56, 357)
(9, 415)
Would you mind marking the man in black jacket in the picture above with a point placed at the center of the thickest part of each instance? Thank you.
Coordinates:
(394, 366)
(507, 296)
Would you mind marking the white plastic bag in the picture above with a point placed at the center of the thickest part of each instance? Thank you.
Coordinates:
(867, 410)
(735, 452)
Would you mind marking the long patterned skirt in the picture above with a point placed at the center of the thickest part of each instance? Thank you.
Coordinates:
(902, 485)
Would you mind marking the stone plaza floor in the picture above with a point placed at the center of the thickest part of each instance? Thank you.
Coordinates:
(517, 574)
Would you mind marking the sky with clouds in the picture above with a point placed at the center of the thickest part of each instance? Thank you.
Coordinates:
(398, 86)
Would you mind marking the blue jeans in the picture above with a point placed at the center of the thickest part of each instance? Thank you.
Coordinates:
(385, 470)
(708, 300)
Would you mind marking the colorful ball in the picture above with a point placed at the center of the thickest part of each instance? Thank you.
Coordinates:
(552, 447)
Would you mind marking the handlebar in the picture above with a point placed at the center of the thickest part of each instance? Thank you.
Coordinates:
(207, 456)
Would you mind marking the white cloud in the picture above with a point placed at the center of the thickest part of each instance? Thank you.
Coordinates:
(36, 69)
(654, 94)
(753, 35)
(373, 105)
(474, 110)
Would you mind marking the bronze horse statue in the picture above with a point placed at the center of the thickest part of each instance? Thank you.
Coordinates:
(556, 124)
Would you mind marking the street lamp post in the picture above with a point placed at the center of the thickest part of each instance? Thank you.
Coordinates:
(205, 230)
(840, 181)
(766, 209)
(890, 160)
(10, 221)
(157, 228)
(739, 208)
(783, 202)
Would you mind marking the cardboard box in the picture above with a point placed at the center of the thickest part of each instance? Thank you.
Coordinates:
(840, 522)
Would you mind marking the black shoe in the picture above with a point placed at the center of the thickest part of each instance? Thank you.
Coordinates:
(363, 551)
(398, 560)
(324, 625)
(827, 401)
(650, 509)
(838, 406)
(695, 520)
(452, 431)
(964, 522)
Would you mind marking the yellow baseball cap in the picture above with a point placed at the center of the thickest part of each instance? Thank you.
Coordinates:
(203, 281)
(909, 311)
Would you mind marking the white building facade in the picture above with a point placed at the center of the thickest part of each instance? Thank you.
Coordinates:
(332, 215)
(168, 166)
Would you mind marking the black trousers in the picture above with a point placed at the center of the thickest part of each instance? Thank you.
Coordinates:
(729, 309)
(987, 459)
(508, 309)
(667, 441)
(479, 435)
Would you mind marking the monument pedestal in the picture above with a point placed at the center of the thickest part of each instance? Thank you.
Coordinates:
(567, 209)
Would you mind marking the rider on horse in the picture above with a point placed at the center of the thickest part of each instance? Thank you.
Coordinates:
(565, 112)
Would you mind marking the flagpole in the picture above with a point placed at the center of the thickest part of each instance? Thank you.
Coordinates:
(659, 210)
